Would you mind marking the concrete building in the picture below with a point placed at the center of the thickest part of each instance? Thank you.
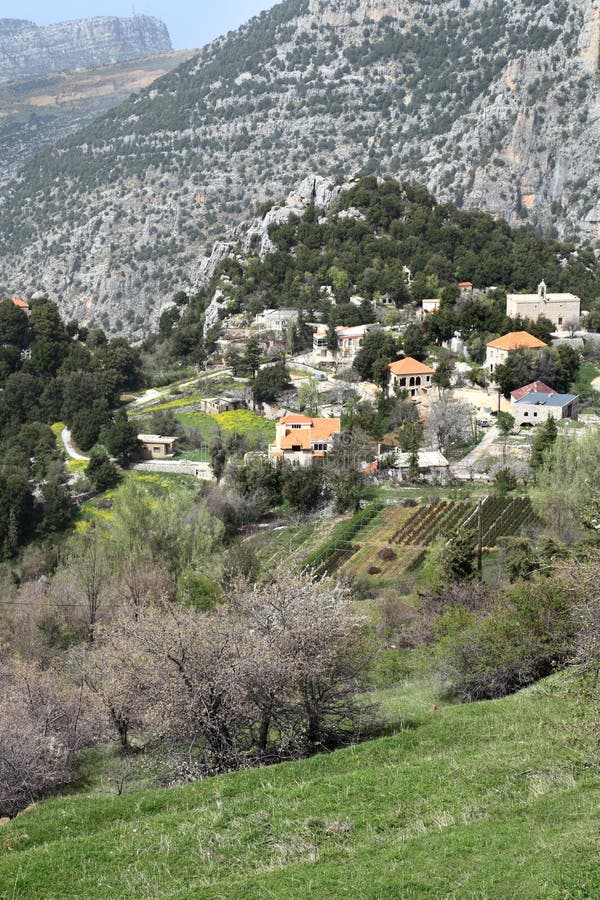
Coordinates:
(499, 350)
(536, 407)
(277, 320)
(409, 375)
(433, 465)
(350, 341)
(215, 405)
(429, 306)
(561, 309)
(157, 446)
(301, 440)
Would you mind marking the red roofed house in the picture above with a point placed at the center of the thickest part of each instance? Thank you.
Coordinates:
(409, 375)
(301, 440)
(499, 350)
(536, 387)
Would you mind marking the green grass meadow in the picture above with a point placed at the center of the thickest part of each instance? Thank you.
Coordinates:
(490, 800)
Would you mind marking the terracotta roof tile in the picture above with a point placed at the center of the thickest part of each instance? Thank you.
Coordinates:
(409, 366)
(517, 340)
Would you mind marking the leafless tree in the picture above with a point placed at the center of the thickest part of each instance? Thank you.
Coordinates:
(45, 720)
(81, 588)
(449, 422)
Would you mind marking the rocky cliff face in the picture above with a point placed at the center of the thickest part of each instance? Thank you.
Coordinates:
(490, 103)
(27, 49)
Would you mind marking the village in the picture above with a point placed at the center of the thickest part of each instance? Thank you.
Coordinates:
(324, 388)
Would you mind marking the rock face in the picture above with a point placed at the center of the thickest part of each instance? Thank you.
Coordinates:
(490, 103)
(27, 49)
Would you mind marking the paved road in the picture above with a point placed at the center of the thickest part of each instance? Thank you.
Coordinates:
(462, 469)
(68, 442)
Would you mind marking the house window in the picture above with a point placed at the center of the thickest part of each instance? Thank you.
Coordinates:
(156, 449)
(296, 448)
(525, 413)
(560, 320)
(535, 415)
(319, 446)
(296, 426)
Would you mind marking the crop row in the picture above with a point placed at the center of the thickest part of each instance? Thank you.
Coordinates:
(509, 520)
(339, 546)
(431, 521)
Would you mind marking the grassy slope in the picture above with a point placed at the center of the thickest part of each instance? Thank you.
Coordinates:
(488, 800)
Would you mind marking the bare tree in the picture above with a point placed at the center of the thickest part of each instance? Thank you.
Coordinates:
(81, 589)
(45, 720)
(449, 422)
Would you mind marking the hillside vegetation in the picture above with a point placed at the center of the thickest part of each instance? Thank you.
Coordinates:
(489, 104)
(493, 799)
(35, 112)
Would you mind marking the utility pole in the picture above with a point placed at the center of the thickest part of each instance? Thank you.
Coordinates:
(479, 538)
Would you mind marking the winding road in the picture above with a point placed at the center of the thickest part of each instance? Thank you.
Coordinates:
(68, 442)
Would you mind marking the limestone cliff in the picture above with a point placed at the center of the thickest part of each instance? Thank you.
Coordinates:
(490, 103)
(27, 49)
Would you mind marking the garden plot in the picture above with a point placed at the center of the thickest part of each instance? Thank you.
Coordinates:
(397, 539)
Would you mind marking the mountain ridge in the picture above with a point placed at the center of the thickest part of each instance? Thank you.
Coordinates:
(27, 49)
(491, 105)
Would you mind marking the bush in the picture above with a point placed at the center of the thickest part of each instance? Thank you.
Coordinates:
(527, 635)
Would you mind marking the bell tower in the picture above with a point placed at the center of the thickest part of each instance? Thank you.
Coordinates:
(542, 291)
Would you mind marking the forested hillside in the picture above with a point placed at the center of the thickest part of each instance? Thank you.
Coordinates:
(491, 105)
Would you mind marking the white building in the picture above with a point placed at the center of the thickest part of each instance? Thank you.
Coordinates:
(350, 341)
(409, 375)
(536, 407)
(561, 309)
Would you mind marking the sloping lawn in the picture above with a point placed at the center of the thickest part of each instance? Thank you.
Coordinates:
(491, 800)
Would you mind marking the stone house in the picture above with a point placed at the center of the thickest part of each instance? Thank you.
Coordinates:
(499, 350)
(536, 407)
(409, 375)
(157, 446)
(215, 405)
(277, 320)
(561, 309)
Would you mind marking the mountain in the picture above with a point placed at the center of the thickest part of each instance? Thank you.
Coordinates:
(36, 112)
(27, 49)
(491, 104)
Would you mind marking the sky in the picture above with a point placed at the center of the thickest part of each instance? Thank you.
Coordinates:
(191, 24)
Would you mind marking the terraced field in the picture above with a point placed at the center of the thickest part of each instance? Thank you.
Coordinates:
(396, 540)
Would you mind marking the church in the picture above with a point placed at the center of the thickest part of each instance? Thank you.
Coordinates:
(563, 310)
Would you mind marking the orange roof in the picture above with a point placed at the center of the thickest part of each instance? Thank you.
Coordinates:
(465, 284)
(409, 366)
(517, 340)
(22, 304)
(299, 438)
(321, 430)
(297, 419)
(324, 429)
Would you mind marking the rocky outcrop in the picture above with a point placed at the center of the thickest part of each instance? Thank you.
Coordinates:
(490, 104)
(27, 49)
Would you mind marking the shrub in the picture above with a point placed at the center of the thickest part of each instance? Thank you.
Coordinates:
(527, 635)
